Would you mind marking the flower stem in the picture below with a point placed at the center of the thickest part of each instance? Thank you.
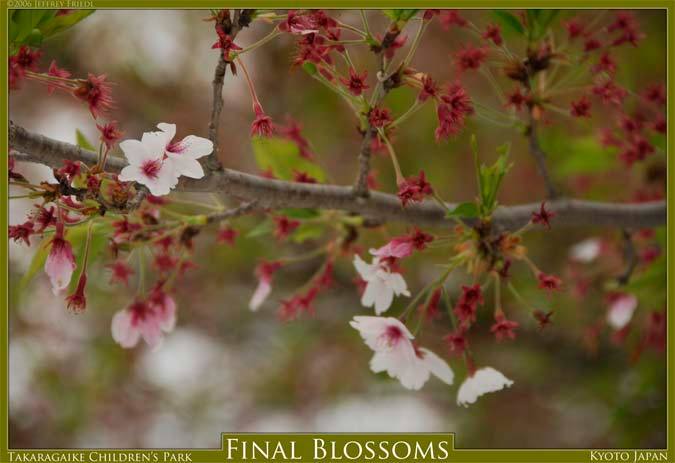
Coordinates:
(249, 82)
(364, 19)
(520, 298)
(416, 106)
(275, 33)
(141, 272)
(415, 44)
(498, 295)
(392, 155)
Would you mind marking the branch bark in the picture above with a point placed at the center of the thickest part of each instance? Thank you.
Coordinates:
(276, 194)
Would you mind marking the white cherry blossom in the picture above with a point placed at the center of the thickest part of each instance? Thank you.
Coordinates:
(397, 355)
(381, 284)
(481, 382)
(181, 155)
(157, 161)
(621, 311)
(147, 168)
(586, 251)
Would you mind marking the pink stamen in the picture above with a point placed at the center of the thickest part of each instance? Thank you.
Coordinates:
(151, 168)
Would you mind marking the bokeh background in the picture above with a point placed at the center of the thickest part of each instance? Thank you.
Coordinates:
(227, 369)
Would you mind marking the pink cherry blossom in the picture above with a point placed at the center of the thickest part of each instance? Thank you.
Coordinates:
(60, 262)
(403, 246)
(264, 272)
(146, 319)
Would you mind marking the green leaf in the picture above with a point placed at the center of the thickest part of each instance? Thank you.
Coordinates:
(509, 21)
(47, 15)
(263, 228)
(307, 231)
(309, 68)
(35, 38)
(61, 23)
(36, 264)
(13, 32)
(407, 15)
(400, 16)
(23, 21)
(82, 141)
(490, 179)
(539, 22)
(650, 284)
(464, 210)
(283, 158)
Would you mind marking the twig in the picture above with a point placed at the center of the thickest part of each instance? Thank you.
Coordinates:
(212, 162)
(242, 209)
(361, 185)
(135, 202)
(630, 256)
(540, 157)
(274, 194)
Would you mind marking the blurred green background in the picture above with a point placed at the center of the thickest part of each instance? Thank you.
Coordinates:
(227, 369)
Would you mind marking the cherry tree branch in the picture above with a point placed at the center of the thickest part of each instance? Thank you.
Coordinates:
(212, 163)
(276, 194)
(383, 87)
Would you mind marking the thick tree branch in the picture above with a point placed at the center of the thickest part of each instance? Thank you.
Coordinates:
(280, 194)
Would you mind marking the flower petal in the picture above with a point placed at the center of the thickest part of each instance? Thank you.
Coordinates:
(586, 251)
(482, 382)
(123, 331)
(167, 314)
(60, 264)
(383, 298)
(398, 284)
(260, 294)
(155, 143)
(185, 166)
(151, 331)
(621, 311)
(194, 147)
(168, 129)
(437, 366)
(135, 152)
(366, 271)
